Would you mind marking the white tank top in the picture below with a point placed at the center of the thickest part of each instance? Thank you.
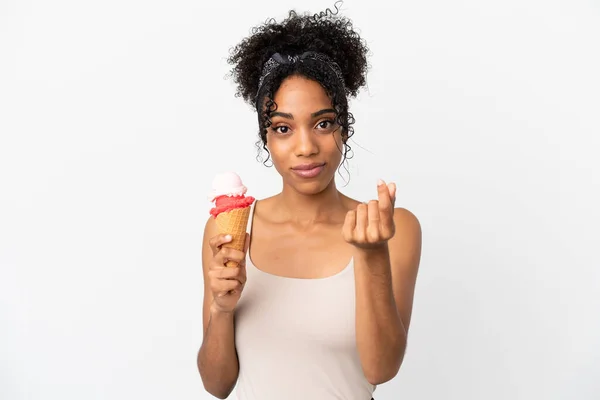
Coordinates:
(296, 338)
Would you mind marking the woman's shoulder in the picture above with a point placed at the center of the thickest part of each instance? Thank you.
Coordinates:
(265, 203)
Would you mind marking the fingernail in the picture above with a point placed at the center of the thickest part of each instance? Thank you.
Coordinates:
(380, 182)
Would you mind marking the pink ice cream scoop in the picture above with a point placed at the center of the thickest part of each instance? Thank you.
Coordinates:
(228, 193)
(232, 209)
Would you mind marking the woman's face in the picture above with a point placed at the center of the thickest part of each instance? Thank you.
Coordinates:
(304, 138)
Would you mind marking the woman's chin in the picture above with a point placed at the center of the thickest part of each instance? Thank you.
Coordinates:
(312, 186)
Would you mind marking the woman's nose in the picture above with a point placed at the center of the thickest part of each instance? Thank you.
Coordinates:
(306, 143)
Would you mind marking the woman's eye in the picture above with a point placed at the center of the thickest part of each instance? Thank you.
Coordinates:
(325, 124)
(281, 129)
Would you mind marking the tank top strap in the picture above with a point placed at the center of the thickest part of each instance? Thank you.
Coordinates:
(249, 225)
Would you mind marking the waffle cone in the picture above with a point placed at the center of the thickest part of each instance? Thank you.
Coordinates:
(234, 223)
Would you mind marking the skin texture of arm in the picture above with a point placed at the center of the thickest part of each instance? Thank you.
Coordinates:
(387, 253)
(217, 359)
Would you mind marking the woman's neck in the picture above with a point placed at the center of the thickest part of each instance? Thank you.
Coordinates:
(327, 206)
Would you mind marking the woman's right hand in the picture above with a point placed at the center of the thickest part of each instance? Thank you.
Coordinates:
(226, 283)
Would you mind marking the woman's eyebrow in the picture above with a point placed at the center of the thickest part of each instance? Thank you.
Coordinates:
(323, 111)
(313, 115)
(282, 114)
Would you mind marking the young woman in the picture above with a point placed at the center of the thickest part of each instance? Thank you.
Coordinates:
(320, 303)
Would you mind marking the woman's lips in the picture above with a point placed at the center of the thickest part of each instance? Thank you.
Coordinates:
(308, 171)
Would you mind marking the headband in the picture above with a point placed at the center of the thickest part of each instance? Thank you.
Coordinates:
(277, 59)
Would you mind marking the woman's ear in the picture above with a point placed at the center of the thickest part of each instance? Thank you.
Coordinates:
(344, 136)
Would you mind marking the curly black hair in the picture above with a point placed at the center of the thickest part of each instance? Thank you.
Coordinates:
(327, 33)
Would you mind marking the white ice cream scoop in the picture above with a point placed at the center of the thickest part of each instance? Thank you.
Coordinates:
(227, 184)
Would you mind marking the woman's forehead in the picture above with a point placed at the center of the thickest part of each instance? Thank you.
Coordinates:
(301, 95)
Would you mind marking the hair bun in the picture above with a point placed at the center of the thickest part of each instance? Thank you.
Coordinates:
(327, 33)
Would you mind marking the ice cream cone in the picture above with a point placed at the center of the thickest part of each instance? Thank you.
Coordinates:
(234, 223)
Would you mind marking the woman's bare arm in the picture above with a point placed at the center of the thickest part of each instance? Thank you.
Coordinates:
(217, 359)
(385, 284)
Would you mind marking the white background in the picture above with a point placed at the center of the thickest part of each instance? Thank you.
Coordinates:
(115, 115)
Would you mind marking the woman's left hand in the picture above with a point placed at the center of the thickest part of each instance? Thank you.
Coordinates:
(372, 225)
